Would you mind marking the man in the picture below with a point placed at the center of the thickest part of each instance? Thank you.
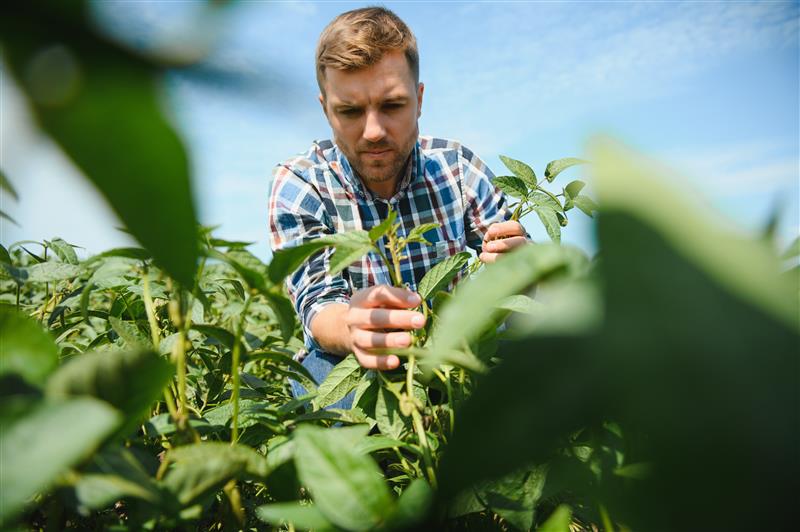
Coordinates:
(368, 75)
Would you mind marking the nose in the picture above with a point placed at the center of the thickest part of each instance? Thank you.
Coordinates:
(373, 128)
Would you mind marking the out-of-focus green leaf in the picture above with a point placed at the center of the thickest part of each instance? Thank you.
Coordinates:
(465, 317)
(793, 250)
(412, 506)
(128, 380)
(45, 442)
(5, 184)
(346, 486)
(514, 497)
(549, 219)
(8, 217)
(441, 274)
(100, 104)
(519, 303)
(304, 517)
(26, 349)
(284, 313)
(202, 468)
(223, 336)
(342, 379)
(286, 261)
(511, 185)
(521, 170)
(558, 521)
(559, 165)
(586, 204)
(747, 267)
(64, 251)
(47, 272)
(382, 228)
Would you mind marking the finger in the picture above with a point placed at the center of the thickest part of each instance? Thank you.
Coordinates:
(379, 362)
(366, 340)
(504, 244)
(504, 229)
(385, 296)
(488, 258)
(368, 318)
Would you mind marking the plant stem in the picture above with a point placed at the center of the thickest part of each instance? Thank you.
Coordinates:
(549, 194)
(416, 418)
(150, 311)
(239, 330)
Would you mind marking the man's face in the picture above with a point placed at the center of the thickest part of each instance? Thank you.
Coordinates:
(373, 113)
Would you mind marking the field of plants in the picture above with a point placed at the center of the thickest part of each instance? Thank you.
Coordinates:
(652, 386)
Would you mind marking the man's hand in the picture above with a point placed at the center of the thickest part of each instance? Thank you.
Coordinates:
(372, 312)
(500, 238)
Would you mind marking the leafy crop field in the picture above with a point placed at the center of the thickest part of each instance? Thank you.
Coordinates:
(652, 386)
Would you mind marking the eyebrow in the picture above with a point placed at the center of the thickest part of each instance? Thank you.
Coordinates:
(345, 104)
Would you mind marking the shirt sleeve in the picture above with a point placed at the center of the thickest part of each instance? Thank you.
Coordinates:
(297, 216)
(484, 203)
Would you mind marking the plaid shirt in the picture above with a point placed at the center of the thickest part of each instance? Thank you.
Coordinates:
(317, 193)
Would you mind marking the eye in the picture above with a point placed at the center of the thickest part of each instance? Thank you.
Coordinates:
(392, 106)
(349, 111)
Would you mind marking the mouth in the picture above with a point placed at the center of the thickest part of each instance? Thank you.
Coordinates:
(376, 154)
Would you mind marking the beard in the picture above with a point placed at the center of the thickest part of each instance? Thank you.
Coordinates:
(383, 169)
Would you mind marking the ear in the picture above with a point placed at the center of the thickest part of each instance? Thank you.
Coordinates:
(420, 91)
(322, 103)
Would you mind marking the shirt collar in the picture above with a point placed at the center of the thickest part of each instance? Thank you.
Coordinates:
(413, 168)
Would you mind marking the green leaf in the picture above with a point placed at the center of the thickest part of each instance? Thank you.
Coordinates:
(586, 204)
(350, 247)
(439, 277)
(549, 220)
(47, 272)
(347, 486)
(114, 475)
(26, 349)
(521, 170)
(413, 505)
(558, 521)
(573, 188)
(559, 165)
(793, 250)
(416, 234)
(284, 312)
(64, 251)
(304, 517)
(515, 496)
(5, 184)
(4, 256)
(547, 201)
(280, 359)
(202, 468)
(285, 261)
(520, 303)
(129, 332)
(223, 336)
(101, 104)
(464, 317)
(44, 443)
(391, 422)
(379, 230)
(8, 217)
(511, 185)
(128, 380)
(342, 379)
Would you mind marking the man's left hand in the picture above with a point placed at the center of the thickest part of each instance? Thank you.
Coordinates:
(500, 238)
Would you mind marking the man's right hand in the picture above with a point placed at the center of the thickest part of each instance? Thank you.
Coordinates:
(378, 317)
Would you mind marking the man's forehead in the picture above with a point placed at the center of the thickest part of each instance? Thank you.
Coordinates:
(389, 78)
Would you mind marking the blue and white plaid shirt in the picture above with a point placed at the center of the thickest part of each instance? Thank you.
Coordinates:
(317, 193)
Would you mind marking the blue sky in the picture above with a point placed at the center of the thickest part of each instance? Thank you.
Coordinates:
(710, 88)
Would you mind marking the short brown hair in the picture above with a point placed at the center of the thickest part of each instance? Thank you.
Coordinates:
(359, 38)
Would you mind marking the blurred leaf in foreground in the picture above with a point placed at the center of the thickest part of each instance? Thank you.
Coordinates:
(100, 103)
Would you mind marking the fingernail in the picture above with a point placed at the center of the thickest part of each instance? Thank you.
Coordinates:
(418, 320)
(413, 298)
